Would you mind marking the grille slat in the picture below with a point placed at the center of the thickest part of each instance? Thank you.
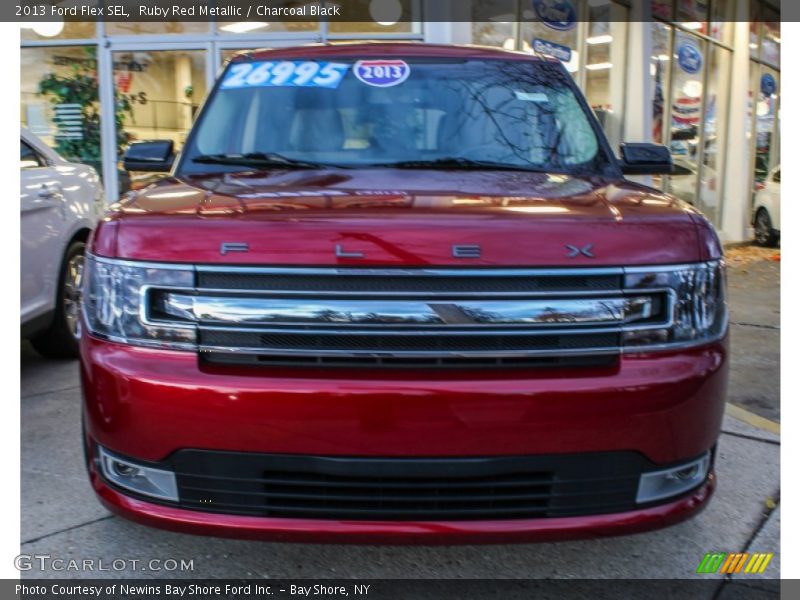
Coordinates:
(354, 283)
(449, 495)
(415, 344)
(370, 497)
(369, 513)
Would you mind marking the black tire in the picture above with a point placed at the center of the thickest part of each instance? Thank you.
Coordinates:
(765, 234)
(61, 339)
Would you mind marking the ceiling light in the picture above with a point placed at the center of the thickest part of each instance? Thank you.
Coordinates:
(694, 25)
(599, 39)
(385, 12)
(599, 66)
(244, 26)
(47, 28)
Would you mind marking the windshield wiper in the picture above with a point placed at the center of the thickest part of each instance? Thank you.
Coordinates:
(456, 162)
(257, 159)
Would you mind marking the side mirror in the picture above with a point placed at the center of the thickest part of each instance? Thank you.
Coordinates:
(681, 170)
(646, 159)
(151, 155)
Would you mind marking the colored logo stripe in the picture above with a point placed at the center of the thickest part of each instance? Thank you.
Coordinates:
(711, 562)
(719, 562)
(758, 563)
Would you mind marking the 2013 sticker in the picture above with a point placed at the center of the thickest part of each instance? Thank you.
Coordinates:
(285, 73)
(382, 73)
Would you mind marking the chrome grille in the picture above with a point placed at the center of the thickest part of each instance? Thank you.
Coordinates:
(409, 317)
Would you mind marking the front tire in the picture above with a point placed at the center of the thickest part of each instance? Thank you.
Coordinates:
(765, 234)
(61, 339)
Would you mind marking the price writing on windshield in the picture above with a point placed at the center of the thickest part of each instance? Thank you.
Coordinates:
(285, 73)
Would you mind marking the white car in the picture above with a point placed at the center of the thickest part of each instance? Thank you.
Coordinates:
(59, 205)
(683, 185)
(767, 210)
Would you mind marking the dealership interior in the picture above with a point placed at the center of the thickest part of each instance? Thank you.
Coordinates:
(701, 76)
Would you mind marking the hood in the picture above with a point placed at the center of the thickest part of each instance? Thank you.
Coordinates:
(400, 217)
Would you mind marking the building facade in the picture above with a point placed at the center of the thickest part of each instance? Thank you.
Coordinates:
(702, 76)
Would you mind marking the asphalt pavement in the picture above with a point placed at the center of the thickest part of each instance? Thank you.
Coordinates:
(62, 518)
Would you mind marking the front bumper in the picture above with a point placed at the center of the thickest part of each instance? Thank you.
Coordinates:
(147, 404)
(402, 532)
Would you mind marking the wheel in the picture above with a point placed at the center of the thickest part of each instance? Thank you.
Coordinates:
(60, 340)
(765, 234)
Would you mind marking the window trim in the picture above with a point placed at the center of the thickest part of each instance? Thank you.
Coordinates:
(40, 158)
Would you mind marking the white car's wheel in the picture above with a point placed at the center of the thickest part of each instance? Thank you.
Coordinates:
(61, 339)
(765, 234)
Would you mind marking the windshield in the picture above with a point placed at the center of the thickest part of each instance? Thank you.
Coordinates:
(420, 113)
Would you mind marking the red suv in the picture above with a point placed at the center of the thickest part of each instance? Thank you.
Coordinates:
(402, 293)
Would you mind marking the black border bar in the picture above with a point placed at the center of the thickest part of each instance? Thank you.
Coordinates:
(559, 14)
(703, 587)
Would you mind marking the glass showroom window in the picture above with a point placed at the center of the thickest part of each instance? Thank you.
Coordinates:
(764, 96)
(685, 136)
(691, 73)
(693, 15)
(662, 9)
(59, 100)
(660, 71)
(605, 70)
(714, 132)
(497, 34)
(123, 28)
(770, 37)
(159, 93)
(723, 14)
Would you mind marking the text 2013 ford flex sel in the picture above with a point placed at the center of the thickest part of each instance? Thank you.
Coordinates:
(402, 293)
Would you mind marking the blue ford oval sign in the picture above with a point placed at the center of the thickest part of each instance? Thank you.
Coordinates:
(556, 14)
(690, 59)
(768, 84)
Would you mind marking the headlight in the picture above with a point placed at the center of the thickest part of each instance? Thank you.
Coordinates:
(114, 292)
(697, 311)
